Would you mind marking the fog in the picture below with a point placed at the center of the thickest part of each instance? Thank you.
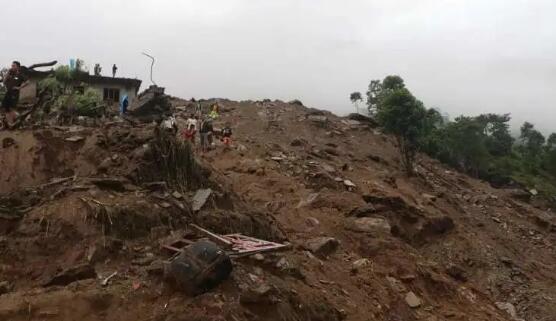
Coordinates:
(463, 57)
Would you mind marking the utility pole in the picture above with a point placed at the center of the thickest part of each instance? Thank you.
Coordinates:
(152, 65)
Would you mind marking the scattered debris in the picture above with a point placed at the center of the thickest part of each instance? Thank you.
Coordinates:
(72, 274)
(412, 300)
(368, 225)
(5, 287)
(200, 198)
(199, 268)
(74, 139)
(108, 278)
(322, 246)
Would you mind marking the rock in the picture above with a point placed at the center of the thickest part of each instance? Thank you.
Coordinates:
(200, 198)
(165, 205)
(105, 165)
(72, 274)
(363, 119)
(375, 225)
(261, 293)
(177, 195)
(7, 142)
(349, 184)
(534, 192)
(508, 308)
(457, 273)
(318, 120)
(5, 287)
(322, 246)
(412, 300)
(110, 183)
(156, 268)
(296, 102)
(283, 264)
(396, 284)
(309, 200)
(360, 264)
(363, 211)
(328, 168)
(298, 142)
(429, 197)
(312, 222)
(74, 139)
(258, 257)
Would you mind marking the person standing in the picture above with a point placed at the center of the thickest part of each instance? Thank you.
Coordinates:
(14, 81)
(206, 134)
(227, 135)
(124, 105)
(114, 70)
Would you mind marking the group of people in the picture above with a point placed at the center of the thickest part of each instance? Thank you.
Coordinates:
(204, 126)
(14, 80)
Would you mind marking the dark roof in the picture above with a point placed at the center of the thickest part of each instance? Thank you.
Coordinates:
(101, 80)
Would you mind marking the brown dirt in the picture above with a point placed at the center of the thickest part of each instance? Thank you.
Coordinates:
(458, 244)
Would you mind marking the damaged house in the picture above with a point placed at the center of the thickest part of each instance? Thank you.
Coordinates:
(111, 89)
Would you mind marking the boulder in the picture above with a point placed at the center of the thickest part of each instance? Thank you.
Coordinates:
(72, 274)
(322, 246)
(373, 225)
(363, 211)
(5, 287)
(508, 308)
(413, 300)
(262, 293)
(200, 199)
(110, 183)
(360, 264)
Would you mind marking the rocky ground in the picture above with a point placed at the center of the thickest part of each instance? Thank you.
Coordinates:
(80, 204)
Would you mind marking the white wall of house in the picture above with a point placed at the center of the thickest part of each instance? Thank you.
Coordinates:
(122, 90)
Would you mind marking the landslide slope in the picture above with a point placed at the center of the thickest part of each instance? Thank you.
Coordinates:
(367, 243)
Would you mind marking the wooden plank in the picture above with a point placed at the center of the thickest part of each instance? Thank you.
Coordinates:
(214, 237)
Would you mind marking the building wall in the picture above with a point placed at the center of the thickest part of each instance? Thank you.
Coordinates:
(28, 94)
(130, 92)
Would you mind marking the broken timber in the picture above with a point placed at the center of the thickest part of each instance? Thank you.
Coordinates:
(236, 245)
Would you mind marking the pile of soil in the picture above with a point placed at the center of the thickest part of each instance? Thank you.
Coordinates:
(78, 204)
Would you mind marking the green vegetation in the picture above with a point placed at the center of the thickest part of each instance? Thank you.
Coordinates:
(72, 97)
(480, 146)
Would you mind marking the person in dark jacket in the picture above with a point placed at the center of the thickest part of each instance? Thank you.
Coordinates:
(14, 81)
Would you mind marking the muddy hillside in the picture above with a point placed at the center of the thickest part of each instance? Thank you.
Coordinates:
(89, 215)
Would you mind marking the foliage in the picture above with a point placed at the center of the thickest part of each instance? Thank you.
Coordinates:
(402, 115)
(355, 97)
(67, 99)
(481, 145)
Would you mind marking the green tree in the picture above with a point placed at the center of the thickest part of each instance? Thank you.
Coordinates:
(532, 144)
(355, 98)
(464, 145)
(373, 94)
(550, 154)
(402, 115)
(496, 128)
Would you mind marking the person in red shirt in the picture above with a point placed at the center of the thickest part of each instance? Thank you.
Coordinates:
(189, 134)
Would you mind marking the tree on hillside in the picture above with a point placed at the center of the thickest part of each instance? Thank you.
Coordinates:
(373, 94)
(392, 82)
(532, 142)
(355, 98)
(496, 128)
(465, 145)
(402, 115)
(550, 154)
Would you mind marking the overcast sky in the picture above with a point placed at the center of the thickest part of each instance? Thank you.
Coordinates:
(463, 57)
